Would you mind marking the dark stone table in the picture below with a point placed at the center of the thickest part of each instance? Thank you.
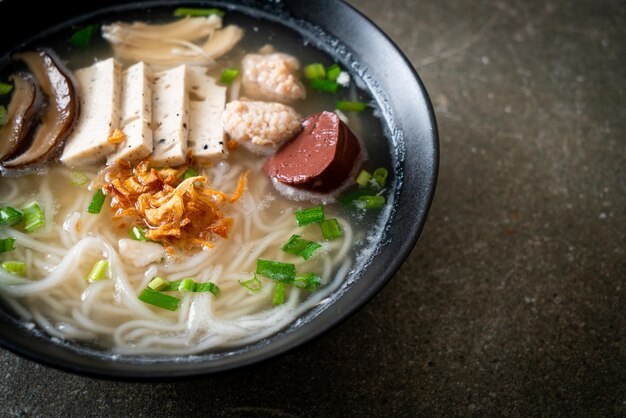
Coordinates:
(513, 302)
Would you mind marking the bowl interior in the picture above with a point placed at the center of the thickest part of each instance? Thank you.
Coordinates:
(410, 129)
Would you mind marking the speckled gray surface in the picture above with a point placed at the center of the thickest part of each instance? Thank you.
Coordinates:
(513, 302)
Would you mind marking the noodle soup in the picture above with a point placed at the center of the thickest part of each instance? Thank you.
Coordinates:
(189, 256)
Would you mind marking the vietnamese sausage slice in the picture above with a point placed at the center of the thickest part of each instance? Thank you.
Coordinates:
(320, 159)
(170, 115)
(23, 113)
(58, 119)
(206, 104)
(99, 86)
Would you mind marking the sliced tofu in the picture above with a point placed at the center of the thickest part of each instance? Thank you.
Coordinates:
(99, 91)
(170, 116)
(136, 115)
(206, 104)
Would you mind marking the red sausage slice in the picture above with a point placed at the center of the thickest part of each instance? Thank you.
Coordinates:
(320, 158)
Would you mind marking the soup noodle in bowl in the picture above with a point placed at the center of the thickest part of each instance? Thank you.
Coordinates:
(404, 110)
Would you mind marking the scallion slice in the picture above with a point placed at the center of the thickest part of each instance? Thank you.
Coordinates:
(276, 270)
(297, 245)
(207, 287)
(78, 178)
(380, 176)
(315, 70)
(350, 106)
(33, 217)
(279, 294)
(189, 11)
(98, 272)
(138, 234)
(81, 38)
(309, 281)
(372, 202)
(310, 215)
(229, 75)
(5, 88)
(323, 85)
(96, 202)
(10, 216)
(253, 285)
(186, 285)
(330, 229)
(363, 178)
(158, 299)
(172, 286)
(158, 283)
(15, 267)
(7, 244)
(3, 115)
(350, 198)
(190, 172)
(333, 72)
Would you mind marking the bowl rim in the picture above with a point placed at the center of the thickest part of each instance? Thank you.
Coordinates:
(415, 99)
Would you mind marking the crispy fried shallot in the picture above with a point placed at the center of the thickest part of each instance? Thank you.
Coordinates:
(179, 213)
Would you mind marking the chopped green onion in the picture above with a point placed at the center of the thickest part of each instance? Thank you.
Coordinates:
(172, 286)
(351, 106)
(188, 11)
(323, 85)
(207, 287)
(187, 285)
(300, 246)
(330, 229)
(310, 215)
(372, 202)
(96, 202)
(78, 178)
(10, 216)
(98, 272)
(82, 37)
(276, 270)
(33, 217)
(309, 281)
(363, 178)
(137, 234)
(350, 198)
(15, 267)
(253, 285)
(5, 88)
(333, 72)
(315, 70)
(6, 245)
(190, 172)
(380, 176)
(158, 299)
(3, 115)
(229, 75)
(158, 283)
(279, 294)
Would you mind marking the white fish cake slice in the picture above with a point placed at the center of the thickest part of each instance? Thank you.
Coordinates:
(206, 104)
(99, 94)
(170, 116)
(136, 115)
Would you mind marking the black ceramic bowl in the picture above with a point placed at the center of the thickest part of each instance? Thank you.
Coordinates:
(409, 122)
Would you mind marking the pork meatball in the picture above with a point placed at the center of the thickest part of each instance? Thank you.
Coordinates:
(272, 77)
(260, 126)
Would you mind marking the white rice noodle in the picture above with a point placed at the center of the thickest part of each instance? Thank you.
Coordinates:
(58, 299)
